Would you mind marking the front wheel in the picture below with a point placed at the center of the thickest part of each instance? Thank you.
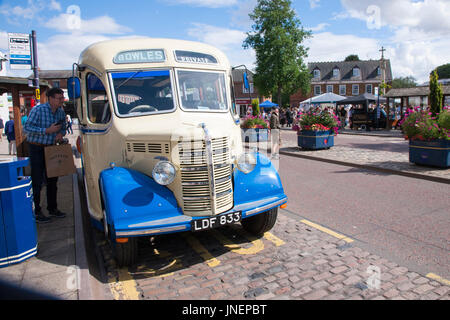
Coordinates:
(261, 223)
(126, 253)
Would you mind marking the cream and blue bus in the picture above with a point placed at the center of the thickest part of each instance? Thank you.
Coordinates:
(161, 143)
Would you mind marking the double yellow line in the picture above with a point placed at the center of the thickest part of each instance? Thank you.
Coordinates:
(349, 240)
(328, 231)
(126, 287)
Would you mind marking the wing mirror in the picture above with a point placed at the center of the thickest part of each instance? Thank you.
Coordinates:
(73, 87)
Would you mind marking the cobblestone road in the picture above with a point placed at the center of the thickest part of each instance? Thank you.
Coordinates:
(294, 261)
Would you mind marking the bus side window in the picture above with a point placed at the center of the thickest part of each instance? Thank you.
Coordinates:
(98, 106)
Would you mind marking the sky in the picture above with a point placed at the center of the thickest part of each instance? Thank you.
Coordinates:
(415, 33)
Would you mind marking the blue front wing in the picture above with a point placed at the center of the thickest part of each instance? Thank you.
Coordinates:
(135, 205)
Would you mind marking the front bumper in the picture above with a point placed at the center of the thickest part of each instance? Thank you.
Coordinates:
(180, 223)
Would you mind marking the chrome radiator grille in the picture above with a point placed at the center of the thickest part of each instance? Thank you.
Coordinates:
(196, 179)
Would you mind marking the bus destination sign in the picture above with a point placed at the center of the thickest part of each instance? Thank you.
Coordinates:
(194, 57)
(140, 56)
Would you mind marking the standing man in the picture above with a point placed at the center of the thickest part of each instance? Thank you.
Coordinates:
(11, 135)
(46, 125)
(275, 133)
(1, 129)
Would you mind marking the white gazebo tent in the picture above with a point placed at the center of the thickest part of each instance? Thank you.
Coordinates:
(328, 97)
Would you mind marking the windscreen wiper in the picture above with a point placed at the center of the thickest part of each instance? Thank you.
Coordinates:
(131, 77)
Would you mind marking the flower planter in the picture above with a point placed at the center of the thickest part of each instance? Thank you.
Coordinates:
(315, 140)
(255, 135)
(434, 153)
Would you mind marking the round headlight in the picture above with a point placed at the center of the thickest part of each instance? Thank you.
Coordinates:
(164, 173)
(246, 162)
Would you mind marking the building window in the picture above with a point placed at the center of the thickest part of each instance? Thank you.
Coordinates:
(335, 73)
(317, 90)
(330, 88)
(316, 74)
(356, 72)
(343, 90)
(369, 88)
(56, 84)
(244, 90)
(355, 89)
(379, 71)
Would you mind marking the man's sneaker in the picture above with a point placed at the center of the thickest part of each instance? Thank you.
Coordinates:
(40, 218)
(57, 214)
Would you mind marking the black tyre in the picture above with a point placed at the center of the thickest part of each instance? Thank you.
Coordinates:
(126, 253)
(261, 223)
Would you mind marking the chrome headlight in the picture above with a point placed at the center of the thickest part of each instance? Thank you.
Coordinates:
(246, 162)
(164, 173)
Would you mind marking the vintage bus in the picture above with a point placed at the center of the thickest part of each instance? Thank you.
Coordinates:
(161, 143)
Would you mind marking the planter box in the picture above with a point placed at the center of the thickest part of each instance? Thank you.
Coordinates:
(315, 140)
(255, 135)
(434, 153)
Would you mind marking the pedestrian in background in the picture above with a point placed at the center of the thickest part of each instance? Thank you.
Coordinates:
(46, 125)
(11, 135)
(275, 133)
(69, 124)
(1, 129)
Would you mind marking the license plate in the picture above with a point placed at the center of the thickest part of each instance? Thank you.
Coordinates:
(215, 222)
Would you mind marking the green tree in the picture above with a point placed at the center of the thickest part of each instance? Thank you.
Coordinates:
(352, 57)
(436, 94)
(404, 82)
(277, 37)
(443, 71)
(255, 107)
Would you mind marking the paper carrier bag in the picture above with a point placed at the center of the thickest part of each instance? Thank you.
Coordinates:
(59, 160)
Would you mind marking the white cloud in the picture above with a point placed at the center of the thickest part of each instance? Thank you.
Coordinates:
(419, 31)
(71, 37)
(99, 25)
(426, 15)
(205, 3)
(319, 27)
(327, 46)
(228, 40)
(240, 16)
(17, 14)
(314, 3)
(55, 5)
(61, 51)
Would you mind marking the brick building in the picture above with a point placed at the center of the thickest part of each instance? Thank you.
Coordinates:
(345, 78)
(243, 96)
(58, 79)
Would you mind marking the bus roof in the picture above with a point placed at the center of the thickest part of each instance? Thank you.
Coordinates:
(152, 53)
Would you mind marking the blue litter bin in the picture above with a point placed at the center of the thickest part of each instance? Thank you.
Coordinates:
(18, 234)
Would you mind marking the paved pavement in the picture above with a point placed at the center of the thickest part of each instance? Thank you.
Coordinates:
(380, 160)
(308, 261)
(59, 270)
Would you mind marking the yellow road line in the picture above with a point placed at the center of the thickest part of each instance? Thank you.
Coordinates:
(277, 241)
(201, 250)
(438, 278)
(125, 288)
(257, 246)
(328, 231)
